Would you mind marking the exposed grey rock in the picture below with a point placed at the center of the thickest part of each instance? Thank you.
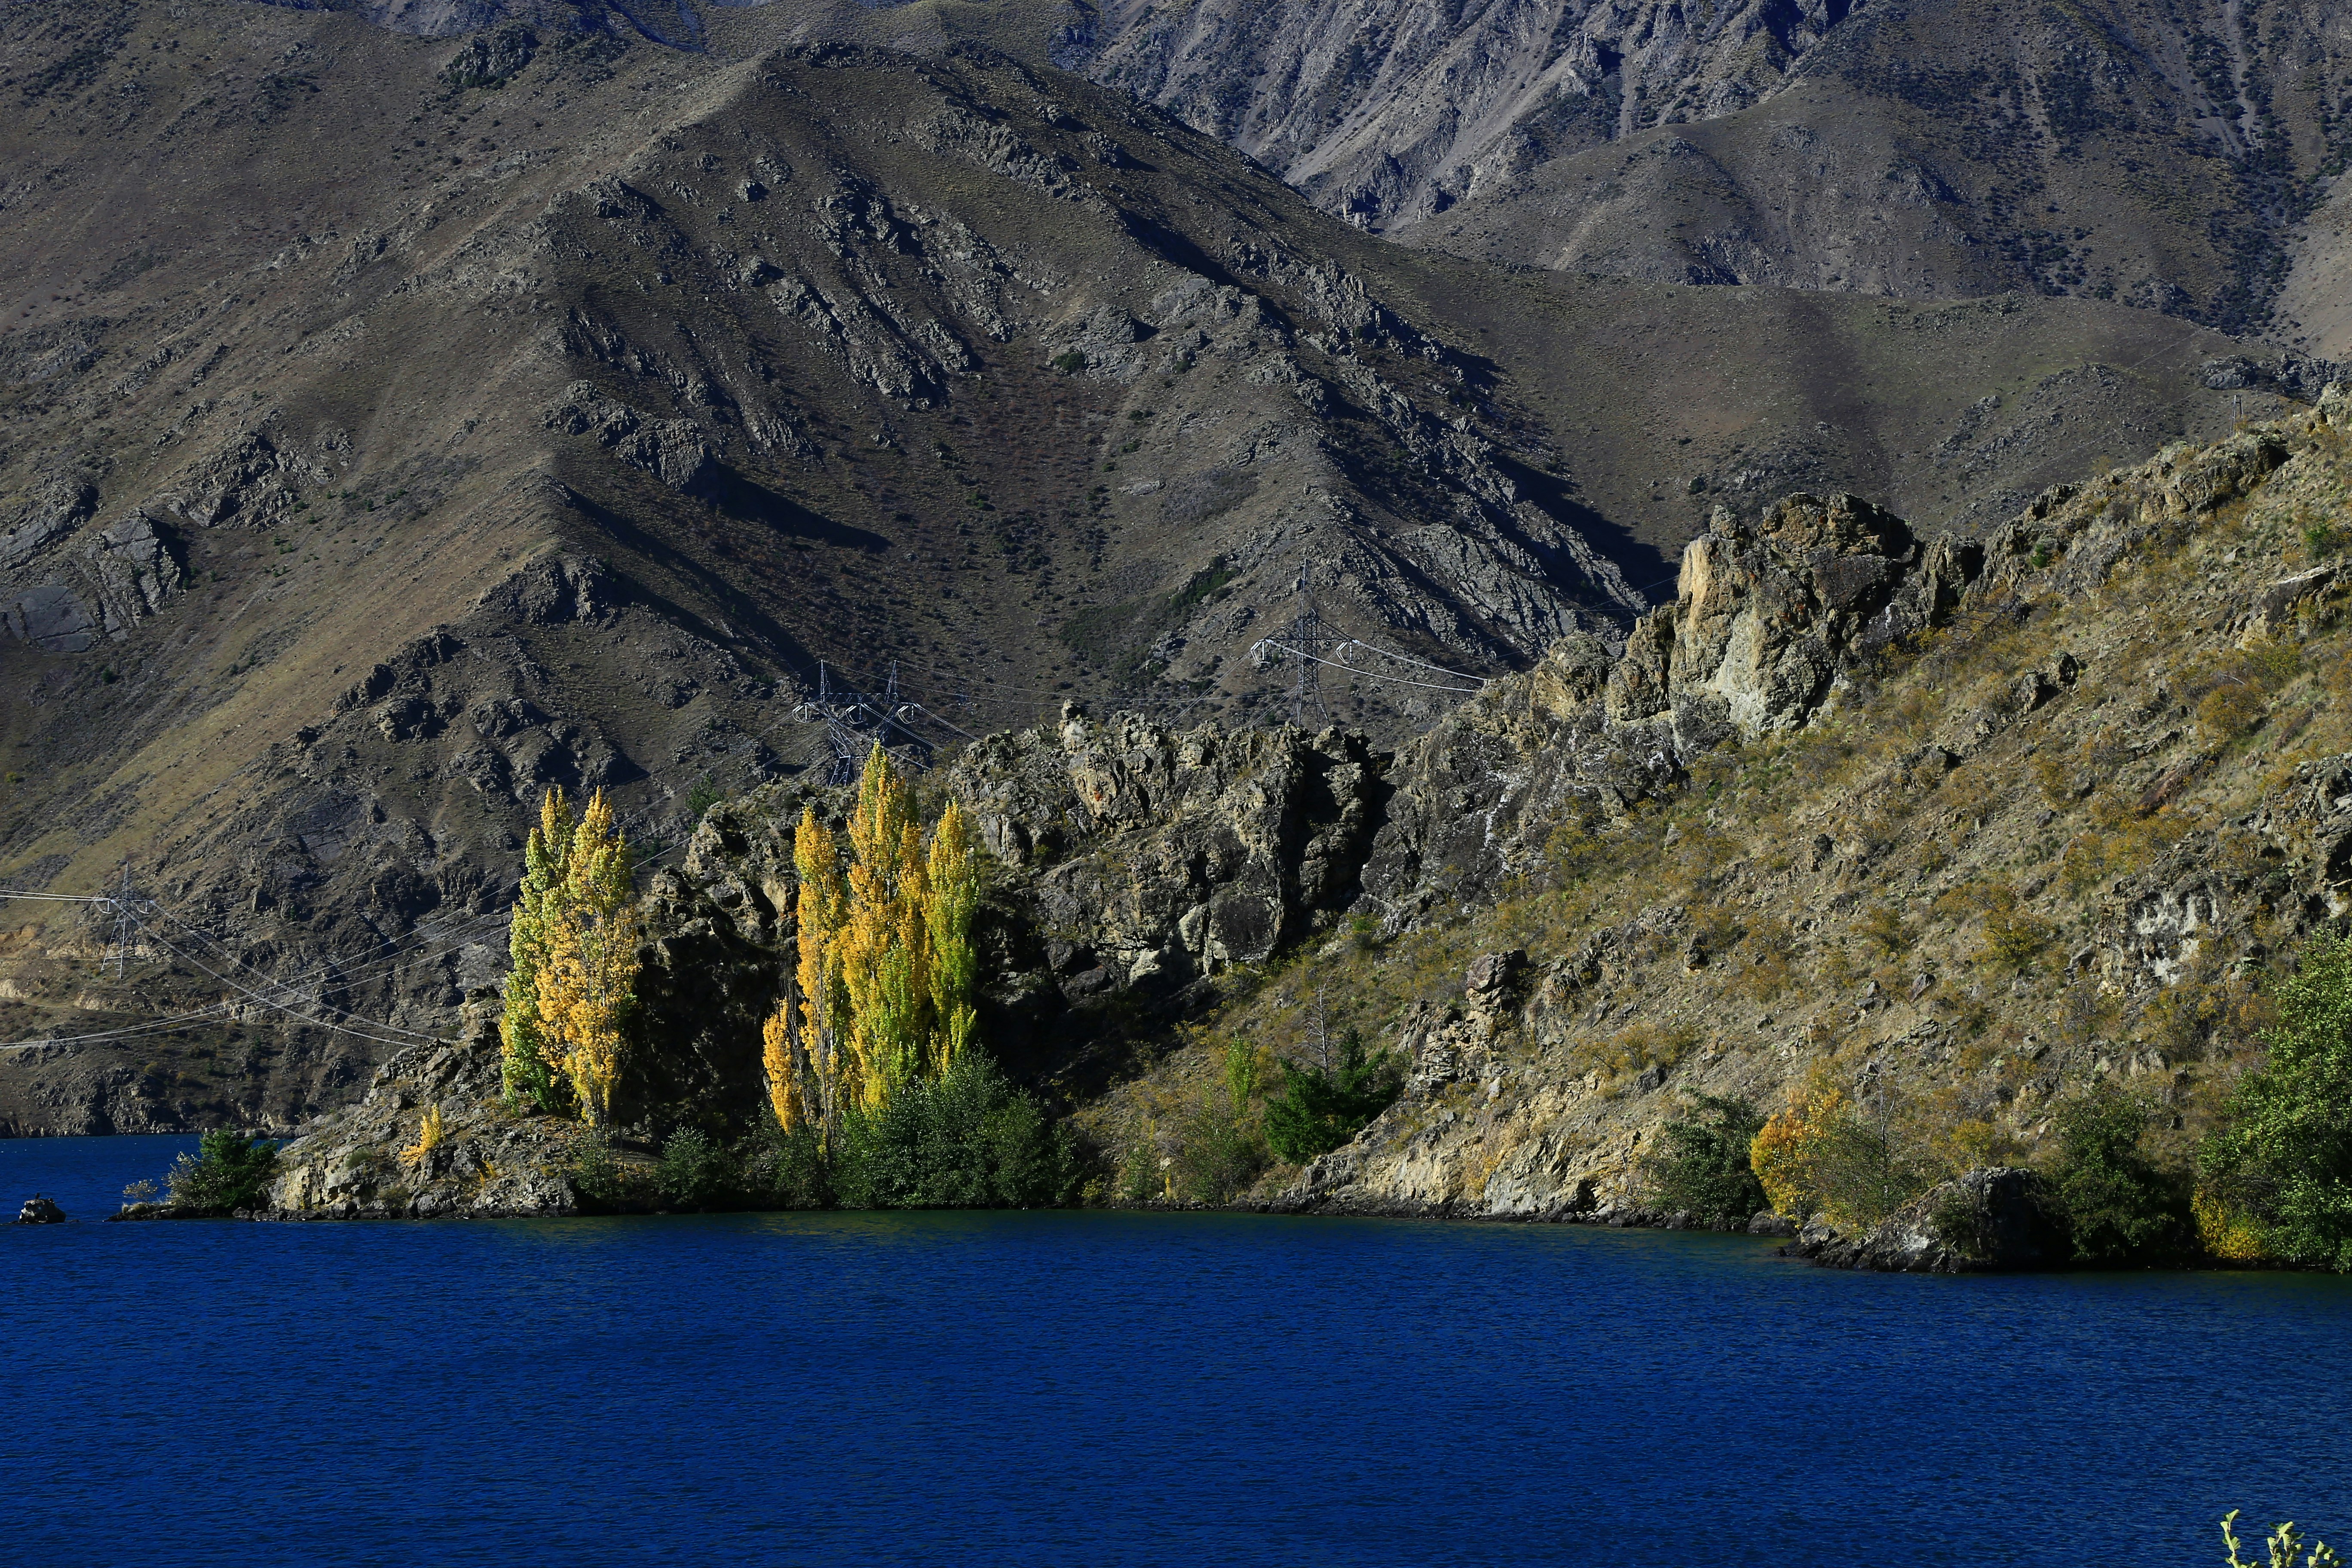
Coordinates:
(367, 1162)
(38, 1210)
(490, 58)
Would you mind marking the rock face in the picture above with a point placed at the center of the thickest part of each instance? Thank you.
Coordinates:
(1768, 617)
(38, 1210)
(1391, 111)
(369, 1163)
(1984, 1221)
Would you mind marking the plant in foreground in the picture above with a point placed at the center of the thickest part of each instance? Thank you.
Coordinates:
(2284, 1541)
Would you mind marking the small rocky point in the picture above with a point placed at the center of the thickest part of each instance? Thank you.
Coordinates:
(38, 1210)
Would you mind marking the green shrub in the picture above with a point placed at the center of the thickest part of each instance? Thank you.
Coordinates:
(698, 1171)
(1701, 1165)
(2283, 1160)
(785, 1169)
(1320, 1109)
(2119, 1208)
(1221, 1148)
(595, 1173)
(229, 1171)
(967, 1139)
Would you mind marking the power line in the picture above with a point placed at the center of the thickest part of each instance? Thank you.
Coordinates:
(1369, 675)
(412, 1036)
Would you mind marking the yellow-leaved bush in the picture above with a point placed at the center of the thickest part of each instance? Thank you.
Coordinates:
(1788, 1153)
(885, 988)
(574, 950)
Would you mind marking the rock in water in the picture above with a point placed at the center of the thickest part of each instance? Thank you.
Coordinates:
(38, 1210)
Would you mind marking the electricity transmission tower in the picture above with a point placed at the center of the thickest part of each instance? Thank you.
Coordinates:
(853, 722)
(123, 906)
(1307, 638)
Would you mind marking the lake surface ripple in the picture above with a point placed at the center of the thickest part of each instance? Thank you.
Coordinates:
(1118, 1388)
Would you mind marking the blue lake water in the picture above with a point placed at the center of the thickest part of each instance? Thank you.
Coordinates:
(1117, 1389)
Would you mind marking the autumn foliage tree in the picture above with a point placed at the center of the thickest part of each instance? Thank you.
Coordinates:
(574, 950)
(887, 979)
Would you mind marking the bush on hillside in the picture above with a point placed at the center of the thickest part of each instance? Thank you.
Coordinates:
(2275, 1180)
(1222, 1148)
(2119, 1208)
(229, 1171)
(1320, 1108)
(1702, 1166)
(1850, 1164)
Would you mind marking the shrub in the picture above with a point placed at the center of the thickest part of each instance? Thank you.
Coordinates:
(698, 1171)
(1318, 1110)
(1884, 930)
(429, 1136)
(2119, 1207)
(967, 1139)
(2279, 1168)
(1702, 1164)
(1222, 1149)
(1826, 1156)
(595, 1174)
(229, 1171)
(784, 1168)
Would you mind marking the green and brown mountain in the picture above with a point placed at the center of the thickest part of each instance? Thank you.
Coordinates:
(395, 426)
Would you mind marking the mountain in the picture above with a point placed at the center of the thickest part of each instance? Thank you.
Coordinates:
(2162, 155)
(1963, 832)
(393, 427)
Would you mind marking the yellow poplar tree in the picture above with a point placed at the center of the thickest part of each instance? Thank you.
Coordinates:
(888, 975)
(587, 985)
(884, 942)
(524, 1070)
(804, 1042)
(953, 874)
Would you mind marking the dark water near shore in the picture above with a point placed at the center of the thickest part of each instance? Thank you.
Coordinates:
(1116, 1389)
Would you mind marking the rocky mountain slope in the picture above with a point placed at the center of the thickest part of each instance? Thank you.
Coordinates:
(2061, 835)
(394, 427)
(1966, 825)
(2161, 155)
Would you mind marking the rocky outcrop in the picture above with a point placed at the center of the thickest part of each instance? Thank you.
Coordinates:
(1984, 1221)
(373, 1162)
(1768, 617)
(38, 1210)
